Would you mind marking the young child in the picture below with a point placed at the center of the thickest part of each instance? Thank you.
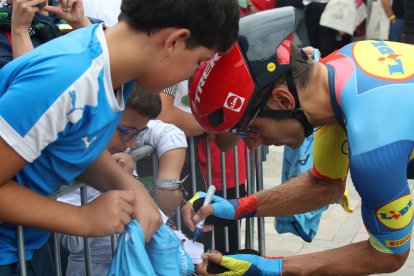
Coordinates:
(135, 129)
(61, 103)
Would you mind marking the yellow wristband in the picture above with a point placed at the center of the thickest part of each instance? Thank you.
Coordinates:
(392, 17)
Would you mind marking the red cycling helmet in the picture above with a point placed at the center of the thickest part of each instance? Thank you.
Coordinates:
(228, 91)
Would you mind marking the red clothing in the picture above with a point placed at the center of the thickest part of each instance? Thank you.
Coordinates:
(216, 164)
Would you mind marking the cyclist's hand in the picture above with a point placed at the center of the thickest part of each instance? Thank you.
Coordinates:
(243, 264)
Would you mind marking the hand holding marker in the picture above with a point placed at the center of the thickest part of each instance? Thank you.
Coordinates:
(207, 201)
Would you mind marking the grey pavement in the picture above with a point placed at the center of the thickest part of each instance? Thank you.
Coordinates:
(337, 228)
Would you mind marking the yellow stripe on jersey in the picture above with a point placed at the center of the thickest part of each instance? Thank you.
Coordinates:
(194, 198)
(344, 201)
(236, 267)
(330, 153)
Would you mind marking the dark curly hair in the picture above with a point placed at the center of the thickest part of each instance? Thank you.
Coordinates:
(213, 23)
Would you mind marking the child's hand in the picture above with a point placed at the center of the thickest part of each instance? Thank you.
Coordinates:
(108, 213)
(125, 161)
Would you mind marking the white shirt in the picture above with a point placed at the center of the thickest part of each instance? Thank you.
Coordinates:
(106, 10)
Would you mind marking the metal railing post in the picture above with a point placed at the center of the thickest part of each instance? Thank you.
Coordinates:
(259, 185)
(20, 248)
(237, 188)
(86, 246)
(224, 190)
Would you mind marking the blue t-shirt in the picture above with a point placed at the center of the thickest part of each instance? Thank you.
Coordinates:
(372, 96)
(58, 111)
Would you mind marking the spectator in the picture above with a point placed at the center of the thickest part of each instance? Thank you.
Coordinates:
(395, 13)
(29, 27)
(320, 37)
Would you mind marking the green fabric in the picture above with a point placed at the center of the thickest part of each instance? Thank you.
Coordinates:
(243, 3)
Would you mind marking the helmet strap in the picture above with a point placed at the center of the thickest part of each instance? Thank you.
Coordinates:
(297, 113)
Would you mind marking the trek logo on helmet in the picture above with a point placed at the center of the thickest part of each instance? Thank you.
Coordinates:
(234, 102)
(206, 72)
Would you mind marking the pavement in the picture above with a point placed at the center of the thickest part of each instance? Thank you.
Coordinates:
(337, 228)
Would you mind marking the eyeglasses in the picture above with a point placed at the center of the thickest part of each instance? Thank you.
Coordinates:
(128, 133)
(249, 132)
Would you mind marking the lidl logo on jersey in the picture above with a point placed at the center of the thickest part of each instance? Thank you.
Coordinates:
(397, 214)
(385, 60)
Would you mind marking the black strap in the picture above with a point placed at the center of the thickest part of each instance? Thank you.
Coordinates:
(297, 113)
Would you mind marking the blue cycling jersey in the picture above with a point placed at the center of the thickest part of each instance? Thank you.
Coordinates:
(372, 91)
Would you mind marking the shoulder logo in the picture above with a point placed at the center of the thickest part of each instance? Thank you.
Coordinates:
(87, 142)
(387, 60)
(234, 102)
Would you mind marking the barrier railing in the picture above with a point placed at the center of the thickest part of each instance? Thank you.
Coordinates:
(254, 183)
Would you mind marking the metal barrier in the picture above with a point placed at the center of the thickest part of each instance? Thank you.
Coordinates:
(254, 183)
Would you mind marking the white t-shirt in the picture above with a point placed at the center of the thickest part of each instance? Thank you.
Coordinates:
(107, 10)
(180, 93)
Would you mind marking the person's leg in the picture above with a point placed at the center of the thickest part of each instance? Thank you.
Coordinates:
(10, 270)
(41, 264)
(396, 29)
(312, 16)
(327, 40)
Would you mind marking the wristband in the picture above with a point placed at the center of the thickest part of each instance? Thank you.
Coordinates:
(246, 207)
(171, 184)
(392, 17)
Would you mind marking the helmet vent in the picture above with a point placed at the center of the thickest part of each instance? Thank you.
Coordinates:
(216, 117)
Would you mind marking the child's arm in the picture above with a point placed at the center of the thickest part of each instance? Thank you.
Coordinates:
(105, 174)
(19, 205)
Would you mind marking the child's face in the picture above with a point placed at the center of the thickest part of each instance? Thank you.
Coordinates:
(168, 200)
(130, 120)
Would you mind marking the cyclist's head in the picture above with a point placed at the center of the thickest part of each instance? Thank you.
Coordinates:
(212, 23)
(227, 92)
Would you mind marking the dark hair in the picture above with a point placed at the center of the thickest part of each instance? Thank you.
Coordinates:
(301, 68)
(146, 104)
(213, 23)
